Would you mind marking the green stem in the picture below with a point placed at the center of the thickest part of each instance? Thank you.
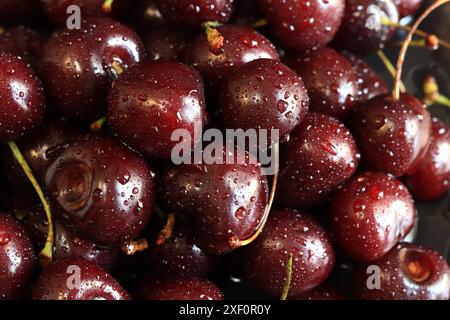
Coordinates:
(287, 284)
(98, 125)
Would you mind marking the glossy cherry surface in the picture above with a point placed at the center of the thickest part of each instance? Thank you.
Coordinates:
(17, 259)
(431, 180)
(263, 94)
(59, 282)
(166, 44)
(330, 80)
(289, 232)
(102, 188)
(77, 66)
(153, 99)
(241, 45)
(22, 106)
(370, 214)
(326, 291)
(408, 272)
(320, 156)
(300, 25)
(392, 136)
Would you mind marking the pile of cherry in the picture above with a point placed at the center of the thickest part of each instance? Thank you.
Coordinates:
(100, 211)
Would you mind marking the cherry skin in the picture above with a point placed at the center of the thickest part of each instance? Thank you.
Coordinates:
(301, 25)
(408, 272)
(263, 94)
(241, 45)
(369, 214)
(165, 44)
(23, 104)
(77, 66)
(153, 99)
(431, 180)
(17, 259)
(95, 283)
(225, 202)
(192, 13)
(320, 156)
(330, 80)
(358, 32)
(392, 136)
(326, 291)
(407, 7)
(101, 188)
(178, 288)
(289, 232)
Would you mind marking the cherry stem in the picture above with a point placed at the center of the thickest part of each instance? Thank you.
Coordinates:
(115, 71)
(287, 284)
(46, 254)
(132, 247)
(431, 91)
(260, 23)
(390, 67)
(2, 30)
(214, 37)
(98, 125)
(166, 231)
(401, 56)
(234, 242)
(107, 6)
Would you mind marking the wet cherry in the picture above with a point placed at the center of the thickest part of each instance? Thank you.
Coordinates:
(166, 44)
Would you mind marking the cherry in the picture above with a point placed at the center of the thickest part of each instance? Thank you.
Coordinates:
(144, 16)
(56, 10)
(163, 96)
(166, 44)
(16, 12)
(226, 202)
(77, 65)
(302, 25)
(320, 156)
(59, 282)
(326, 291)
(289, 232)
(263, 94)
(362, 29)
(17, 259)
(369, 214)
(102, 188)
(408, 272)
(407, 7)
(241, 45)
(392, 135)
(192, 13)
(24, 42)
(431, 180)
(330, 80)
(23, 104)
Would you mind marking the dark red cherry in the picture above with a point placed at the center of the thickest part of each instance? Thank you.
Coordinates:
(226, 202)
(392, 136)
(166, 44)
(17, 12)
(408, 272)
(77, 279)
(145, 16)
(326, 291)
(17, 259)
(362, 29)
(102, 188)
(56, 10)
(77, 66)
(431, 180)
(192, 13)
(263, 94)
(241, 45)
(370, 214)
(407, 7)
(22, 106)
(302, 25)
(23, 42)
(320, 156)
(330, 80)
(179, 288)
(153, 99)
(295, 233)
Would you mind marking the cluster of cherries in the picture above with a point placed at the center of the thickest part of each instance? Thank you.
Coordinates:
(129, 223)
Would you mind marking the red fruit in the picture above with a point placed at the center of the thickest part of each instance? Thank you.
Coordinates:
(407, 7)
(165, 44)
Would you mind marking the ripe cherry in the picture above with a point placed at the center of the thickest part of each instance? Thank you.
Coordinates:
(408, 272)
(166, 44)
(17, 259)
(326, 291)
(369, 214)
(330, 80)
(407, 7)
(431, 180)
(295, 233)
(320, 156)
(153, 99)
(77, 66)
(101, 188)
(95, 283)
(302, 25)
